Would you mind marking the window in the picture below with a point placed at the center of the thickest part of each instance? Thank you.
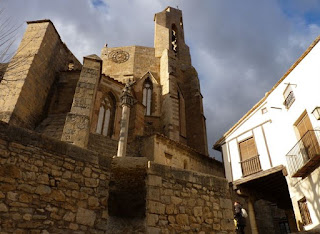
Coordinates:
(264, 110)
(304, 211)
(250, 162)
(106, 116)
(289, 97)
(147, 95)
(248, 149)
(174, 38)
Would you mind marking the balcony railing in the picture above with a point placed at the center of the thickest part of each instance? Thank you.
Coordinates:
(289, 100)
(304, 157)
(251, 166)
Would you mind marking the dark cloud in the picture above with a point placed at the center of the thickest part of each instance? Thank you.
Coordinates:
(240, 48)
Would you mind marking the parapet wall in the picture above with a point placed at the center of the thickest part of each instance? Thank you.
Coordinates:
(183, 201)
(50, 185)
(163, 150)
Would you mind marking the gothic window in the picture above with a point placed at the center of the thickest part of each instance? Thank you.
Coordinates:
(174, 38)
(106, 116)
(147, 95)
(182, 115)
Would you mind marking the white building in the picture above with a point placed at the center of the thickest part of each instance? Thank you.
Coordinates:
(273, 151)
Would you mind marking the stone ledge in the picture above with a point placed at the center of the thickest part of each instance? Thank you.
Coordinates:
(185, 175)
(28, 137)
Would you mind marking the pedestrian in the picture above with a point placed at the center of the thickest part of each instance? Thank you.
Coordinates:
(240, 217)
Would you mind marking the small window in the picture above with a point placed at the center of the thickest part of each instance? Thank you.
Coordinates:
(289, 97)
(185, 164)
(174, 38)
(264, 110)
(304, 211)
(147, 95)
(106, 116)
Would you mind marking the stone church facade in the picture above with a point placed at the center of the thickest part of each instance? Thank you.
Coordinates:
(114, 145)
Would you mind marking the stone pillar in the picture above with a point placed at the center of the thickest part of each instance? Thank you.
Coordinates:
(127, 101)
(77, 126)
(252, 216)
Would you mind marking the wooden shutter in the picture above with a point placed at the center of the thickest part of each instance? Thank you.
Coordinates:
(304, 125)
(308, 136)
(248, 149)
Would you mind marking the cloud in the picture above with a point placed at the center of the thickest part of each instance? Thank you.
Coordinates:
(240, 48)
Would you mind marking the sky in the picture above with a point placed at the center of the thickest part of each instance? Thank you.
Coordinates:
(239, 48)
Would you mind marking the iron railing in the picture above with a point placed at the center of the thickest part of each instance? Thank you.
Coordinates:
(289, 100)
(251, 166)
(306, 149)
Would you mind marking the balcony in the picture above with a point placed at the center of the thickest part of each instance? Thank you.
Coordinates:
(251, 166)
(304, 157)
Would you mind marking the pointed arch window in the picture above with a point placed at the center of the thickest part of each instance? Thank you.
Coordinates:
(147, 95)
(106, 116)
(174, 38)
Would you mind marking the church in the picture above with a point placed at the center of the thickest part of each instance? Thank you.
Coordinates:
(115, 144)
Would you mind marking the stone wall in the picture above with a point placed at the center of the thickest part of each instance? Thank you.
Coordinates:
(161, 149)
(48, 186)
(187, 202)
(30, 74)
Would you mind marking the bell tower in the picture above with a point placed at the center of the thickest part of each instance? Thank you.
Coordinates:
(182, 117)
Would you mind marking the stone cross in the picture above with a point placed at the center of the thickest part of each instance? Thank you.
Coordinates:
(127, 101)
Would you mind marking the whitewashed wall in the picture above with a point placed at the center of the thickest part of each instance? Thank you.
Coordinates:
(280, 135)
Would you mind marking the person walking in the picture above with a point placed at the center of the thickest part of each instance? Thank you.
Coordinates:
(240, 217)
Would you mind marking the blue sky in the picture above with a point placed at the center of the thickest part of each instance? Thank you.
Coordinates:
(239, 48)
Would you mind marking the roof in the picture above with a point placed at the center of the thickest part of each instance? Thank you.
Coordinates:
(217, 145)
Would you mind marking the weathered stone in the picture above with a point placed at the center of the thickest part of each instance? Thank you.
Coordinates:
(156, 207)
(152, 219)
(227, 224)
(170, 209)
(58, 195)
(225, 203)
(10, 171)
(12, 196)
(73, 226)
(153, 230)
(69, 216)
(176, 200)
(27, 198)
(3, 207)
(91, 183)
(27, 217)
(93, 201)
(197, 211)
(182, 219)
(154, 193)
(154, 180)
(171, 219)
(87, 172)
(85, 217)
(227, 214)
(42, 217)
(43, 189)
(43, 179)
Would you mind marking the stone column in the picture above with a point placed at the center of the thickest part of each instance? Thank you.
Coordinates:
(252, 216)
(127, 101)
(77, 126)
